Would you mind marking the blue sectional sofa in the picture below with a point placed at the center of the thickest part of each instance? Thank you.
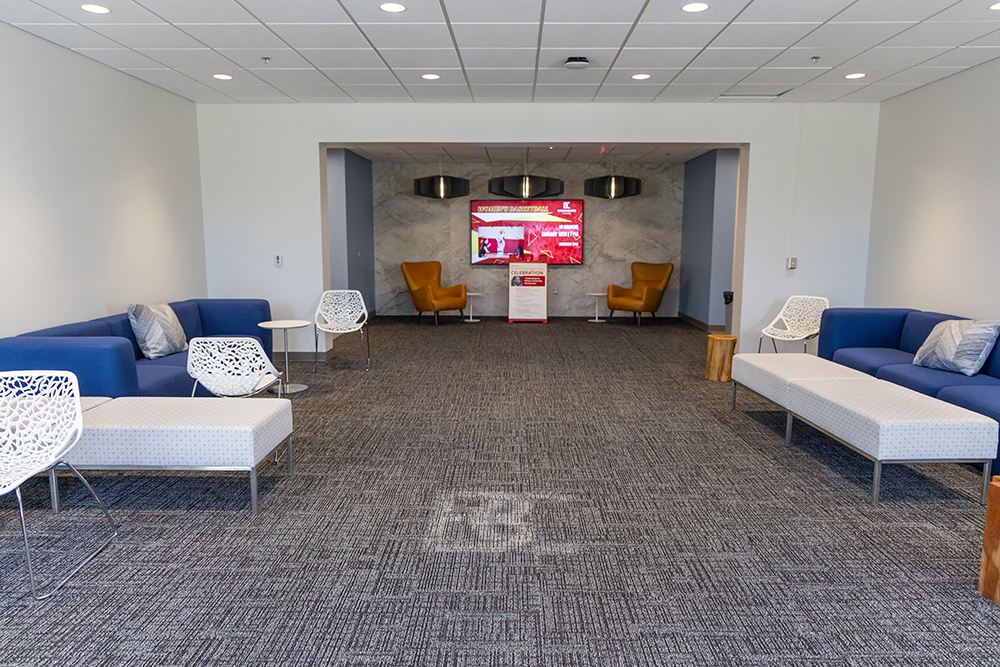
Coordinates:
(883, 341)
(107, 360)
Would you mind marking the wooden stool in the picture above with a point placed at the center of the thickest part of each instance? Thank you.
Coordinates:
(989, 568)
(719, 365)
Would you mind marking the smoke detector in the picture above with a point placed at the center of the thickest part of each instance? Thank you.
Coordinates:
(576, 62)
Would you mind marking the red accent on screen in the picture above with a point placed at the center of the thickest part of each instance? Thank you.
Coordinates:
(533, 281)
(505, 231)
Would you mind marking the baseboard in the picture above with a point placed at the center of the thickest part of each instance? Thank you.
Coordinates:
(300, 356)
(710, 328)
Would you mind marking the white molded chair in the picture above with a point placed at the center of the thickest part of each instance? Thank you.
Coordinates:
(342, 311)
(800, 317)
(40, 421)
(231, 367)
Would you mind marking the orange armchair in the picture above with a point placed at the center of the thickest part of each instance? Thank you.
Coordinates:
(648, 284)
(424, 281)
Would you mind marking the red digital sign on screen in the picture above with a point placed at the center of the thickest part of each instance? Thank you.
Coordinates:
(525, 230)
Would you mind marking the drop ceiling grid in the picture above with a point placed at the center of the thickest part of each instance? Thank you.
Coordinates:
(513, 51)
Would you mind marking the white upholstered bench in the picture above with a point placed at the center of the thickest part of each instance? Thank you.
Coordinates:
(160, 433)
(880, 420)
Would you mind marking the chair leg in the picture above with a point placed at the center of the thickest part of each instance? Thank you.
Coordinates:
(316, 356)
(611, 314)
(418, 317)
(638, 320)
(435, 318)
(653, 315)
(759, 343)
(27, 549)
(775, 346)
(461, 313)
(369, 342)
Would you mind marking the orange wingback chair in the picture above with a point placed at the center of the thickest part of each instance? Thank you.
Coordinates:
(648, 284)
(424, 281)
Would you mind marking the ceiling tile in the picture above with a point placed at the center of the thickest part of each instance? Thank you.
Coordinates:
(199, 93)
(198, 11)
(600, 58)
(243, 91)
(508, 11)
(763, 34)
(922, 75)
(565, 90)
(654, 35)
(893, 10)
(624, 91)
(879, 92)
(314, 91)
(496, 35)
(992, 39)
(122, 11)
(361, 76)
(342, 58)
(300, 11)
(728, 75)
(446, 93)
(872, 74)
(241, 77)
(493, 76)
(119, 58)
(966, 56)
(417, 11)
(860, 35)
(161, 77)
(161, 36)
(486, 58)
(786, 75)
(758, 89)
(942, 34)
(882, 56)
(180, 58)
(828, 57)
(321, 36)
(657, 77)
(584, 35)
(509, 94)
(776, 11)
(747, 57)
(28, 12)
(379, 92)
(420, 58)
(969, 10)
(563, 75)
(677, 92)
(575, 11)
(515, 154)
(408, 36)
(71, 36)
(719, 11)
(280, 78)
(414, 76)
(656, 57)
(234, 36)
(817, 92)
(251, 58)
(465, 153)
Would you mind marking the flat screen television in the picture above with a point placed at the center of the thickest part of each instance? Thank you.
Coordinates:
(523, 230)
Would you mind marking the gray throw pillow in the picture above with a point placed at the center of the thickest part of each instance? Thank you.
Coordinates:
(960, 346)
(157, 330)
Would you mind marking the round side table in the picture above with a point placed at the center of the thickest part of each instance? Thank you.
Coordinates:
(597, 304)
(285, 325)
(470, 318)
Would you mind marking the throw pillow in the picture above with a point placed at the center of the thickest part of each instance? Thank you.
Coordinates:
(960, 346)
(157, 330)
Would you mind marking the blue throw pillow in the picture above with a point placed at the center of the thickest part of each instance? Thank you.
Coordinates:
(960, 346)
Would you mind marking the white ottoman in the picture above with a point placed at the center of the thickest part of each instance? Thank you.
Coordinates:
(160, 433)
(888, 423)
(770, 375)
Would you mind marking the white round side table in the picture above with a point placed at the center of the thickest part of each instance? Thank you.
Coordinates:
(597, 304)
(470, 318)
(285, 325)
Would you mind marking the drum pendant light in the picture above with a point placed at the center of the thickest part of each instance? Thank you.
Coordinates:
(441, 186)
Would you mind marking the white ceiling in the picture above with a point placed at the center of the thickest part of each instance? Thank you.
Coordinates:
(513, 50)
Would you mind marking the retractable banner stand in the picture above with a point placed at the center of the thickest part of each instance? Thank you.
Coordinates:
(528, 291)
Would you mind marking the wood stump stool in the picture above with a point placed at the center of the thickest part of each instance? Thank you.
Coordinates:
(719, 365)
(989, 568)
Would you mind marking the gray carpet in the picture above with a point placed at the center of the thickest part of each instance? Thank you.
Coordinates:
(568, 494)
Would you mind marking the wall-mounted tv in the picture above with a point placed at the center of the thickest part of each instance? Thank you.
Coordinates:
(518, 230)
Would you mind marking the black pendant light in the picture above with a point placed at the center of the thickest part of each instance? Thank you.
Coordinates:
(441, 187)
(611, 186)
(526, 186)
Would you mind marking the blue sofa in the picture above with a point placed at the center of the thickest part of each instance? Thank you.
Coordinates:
(883, 341)
(107, 360)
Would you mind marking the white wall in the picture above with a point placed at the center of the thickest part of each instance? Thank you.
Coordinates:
(262, 192)
(100, 200)
(936, 213)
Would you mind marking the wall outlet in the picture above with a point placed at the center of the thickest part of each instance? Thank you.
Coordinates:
(278, 261)
(790, 262)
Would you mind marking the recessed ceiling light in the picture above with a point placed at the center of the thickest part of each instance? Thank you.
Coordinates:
(392, 7)
(222, 77)
(695, 7)
(995, 7)
(640, 77)
(856, 75)
(95, 9)
(430, 77)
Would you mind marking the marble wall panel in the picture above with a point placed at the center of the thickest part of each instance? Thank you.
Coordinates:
(615, 233)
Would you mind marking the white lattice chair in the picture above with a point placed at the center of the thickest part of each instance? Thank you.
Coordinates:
(342, 311)
(799, 317)
(40, 421)
(231, 367)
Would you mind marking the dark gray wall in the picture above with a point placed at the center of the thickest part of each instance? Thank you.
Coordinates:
(707, 231)
(351, 223)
